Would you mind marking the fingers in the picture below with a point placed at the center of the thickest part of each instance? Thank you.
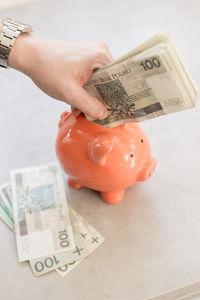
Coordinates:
(107, 52)
(94, 56)
(102, 55)
(79, 98)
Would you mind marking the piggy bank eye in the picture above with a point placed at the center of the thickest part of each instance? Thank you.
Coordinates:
(131, 155)
(142, 141)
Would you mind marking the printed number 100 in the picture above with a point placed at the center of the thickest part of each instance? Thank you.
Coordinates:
(63, 237)
(150, 64)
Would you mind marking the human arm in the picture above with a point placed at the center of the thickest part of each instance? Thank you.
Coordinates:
(62, 68)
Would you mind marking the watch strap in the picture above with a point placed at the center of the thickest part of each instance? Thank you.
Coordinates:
(11, 29)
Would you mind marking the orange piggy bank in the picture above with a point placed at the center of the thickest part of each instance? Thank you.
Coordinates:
(104, 159)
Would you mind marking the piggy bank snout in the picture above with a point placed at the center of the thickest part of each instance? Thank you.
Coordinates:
(147, 169)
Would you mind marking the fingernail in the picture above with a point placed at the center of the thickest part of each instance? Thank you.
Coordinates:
(103, 114)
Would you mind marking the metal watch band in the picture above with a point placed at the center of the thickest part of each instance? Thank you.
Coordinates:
(11, 29)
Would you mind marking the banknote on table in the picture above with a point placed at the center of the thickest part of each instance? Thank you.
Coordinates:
(87, 239)
(42, 265)
(6, 206)
(92, 238)
(41, 214)
(147, 82)
(5, 191)
(86, 236)
(5, 213)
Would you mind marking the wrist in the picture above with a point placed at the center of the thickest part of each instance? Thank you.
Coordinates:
(21, 53)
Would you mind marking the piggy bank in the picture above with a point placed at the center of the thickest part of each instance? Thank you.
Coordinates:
(104, 159)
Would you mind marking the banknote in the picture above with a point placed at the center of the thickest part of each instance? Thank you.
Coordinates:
(46, 264)
(73, 261)
(5, 214)
(86, 238)
(41, 215)
(93, 240)
(5, 191)
(5, 205)
(147, 82)
(70, 265)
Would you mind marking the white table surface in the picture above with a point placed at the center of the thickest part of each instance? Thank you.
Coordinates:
(153, 236)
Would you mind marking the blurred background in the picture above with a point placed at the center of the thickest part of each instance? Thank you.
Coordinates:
(161, 216)
(10, 3)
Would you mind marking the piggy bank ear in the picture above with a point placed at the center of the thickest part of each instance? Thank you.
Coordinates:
(63, 118)
(100, 146)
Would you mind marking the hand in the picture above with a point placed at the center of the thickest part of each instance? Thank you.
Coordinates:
(62, 68)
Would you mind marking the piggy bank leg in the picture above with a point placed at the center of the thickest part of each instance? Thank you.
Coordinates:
(74, 184)
(113, 197)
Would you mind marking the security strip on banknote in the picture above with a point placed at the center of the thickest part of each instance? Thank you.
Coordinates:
(86, 237)
(147, 82)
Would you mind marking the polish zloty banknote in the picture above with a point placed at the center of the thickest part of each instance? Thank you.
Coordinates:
(42, 222)
(5, 191)
(68, 267)
(8, 203)
(5, 208)
(87, 239)
(85, 234)
(147, 82)
(92, 238)
(4, 214)
(46, 264)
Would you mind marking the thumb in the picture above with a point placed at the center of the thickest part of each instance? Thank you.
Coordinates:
(86, 103)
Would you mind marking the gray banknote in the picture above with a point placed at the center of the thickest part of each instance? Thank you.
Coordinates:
(147, 82)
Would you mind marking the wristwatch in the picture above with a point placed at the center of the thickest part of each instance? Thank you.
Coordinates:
(11, 29)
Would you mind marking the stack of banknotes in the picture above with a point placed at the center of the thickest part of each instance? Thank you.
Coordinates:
(147, 82)
(49, 233)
